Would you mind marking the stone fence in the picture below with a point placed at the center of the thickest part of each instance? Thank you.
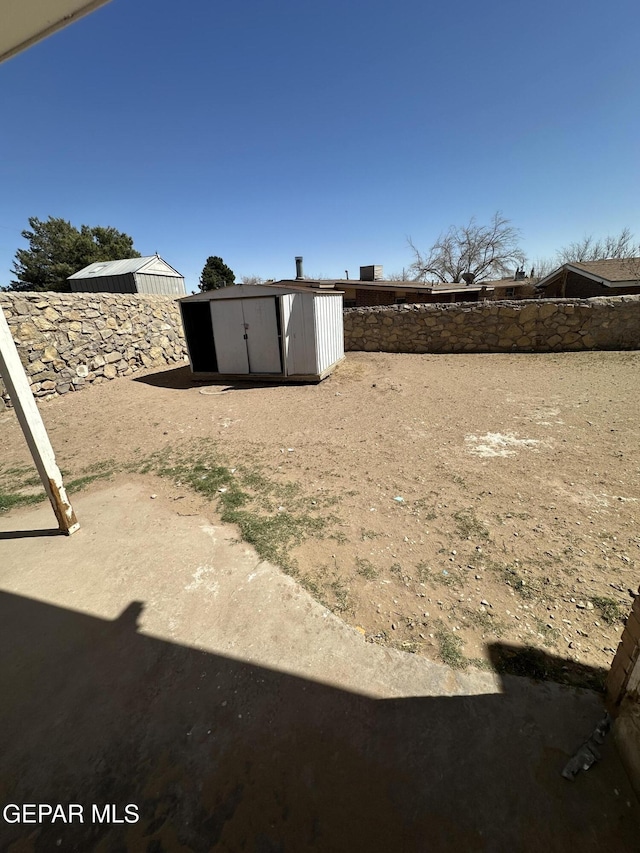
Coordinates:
(66, 340)
(543, 325)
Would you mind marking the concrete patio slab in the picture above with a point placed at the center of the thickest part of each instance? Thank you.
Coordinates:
(153, 660)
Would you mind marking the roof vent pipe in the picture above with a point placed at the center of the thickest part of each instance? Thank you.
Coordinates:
(299, 273)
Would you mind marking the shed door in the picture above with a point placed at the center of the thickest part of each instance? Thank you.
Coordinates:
(261, 328)
(246, 333)
(228, 332)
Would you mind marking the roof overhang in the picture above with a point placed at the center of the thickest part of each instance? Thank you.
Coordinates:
(24, 22)
(467, 288)
(579, 271)
(412, 287)
(331, 285)
(384, 285)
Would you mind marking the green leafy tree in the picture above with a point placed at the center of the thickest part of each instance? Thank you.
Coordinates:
(57, 250)
(216, 274)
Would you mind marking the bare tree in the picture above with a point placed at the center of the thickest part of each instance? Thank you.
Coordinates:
(621, 245)
(403, 275)
(541, 267)
(482, 251)
(251, 279)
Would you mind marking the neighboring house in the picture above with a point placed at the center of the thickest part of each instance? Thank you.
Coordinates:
(582, 280)
(362, 293)
(132, 275)
(513, 288)
(371, 289)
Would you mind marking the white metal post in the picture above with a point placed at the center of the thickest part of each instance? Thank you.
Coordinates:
(15, 378)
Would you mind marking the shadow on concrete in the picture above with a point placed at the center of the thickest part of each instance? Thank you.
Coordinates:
(223, 755)
(30, 534)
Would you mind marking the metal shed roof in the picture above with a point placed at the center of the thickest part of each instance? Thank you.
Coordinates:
(242, 291)
(128, 265)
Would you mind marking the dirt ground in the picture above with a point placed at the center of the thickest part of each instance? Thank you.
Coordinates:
(442, 502)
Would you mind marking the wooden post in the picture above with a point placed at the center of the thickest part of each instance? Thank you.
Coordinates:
(34, 430)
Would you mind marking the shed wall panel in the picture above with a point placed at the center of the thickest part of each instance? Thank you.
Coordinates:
(162, 285)
(104, 284)
(329, 331)
(298, 332)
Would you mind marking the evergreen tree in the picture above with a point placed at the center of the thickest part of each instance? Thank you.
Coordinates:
(216, 274)
(57, 250)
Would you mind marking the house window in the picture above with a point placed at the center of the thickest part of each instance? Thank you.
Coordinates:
(510, 291)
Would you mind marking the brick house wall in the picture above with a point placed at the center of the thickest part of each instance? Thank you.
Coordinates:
(584, 288)
(511, 291)
(374, 297)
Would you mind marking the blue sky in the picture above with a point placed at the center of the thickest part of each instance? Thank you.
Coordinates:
(258, 130)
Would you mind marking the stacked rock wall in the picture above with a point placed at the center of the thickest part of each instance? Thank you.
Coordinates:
(543, 325)
(66, 340)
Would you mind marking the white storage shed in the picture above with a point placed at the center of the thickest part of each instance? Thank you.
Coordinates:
(294, 333)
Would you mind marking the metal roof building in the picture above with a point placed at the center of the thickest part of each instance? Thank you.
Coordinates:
(131, 275)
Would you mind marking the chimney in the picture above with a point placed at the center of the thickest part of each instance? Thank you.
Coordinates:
(371, 273)
(299, 273)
